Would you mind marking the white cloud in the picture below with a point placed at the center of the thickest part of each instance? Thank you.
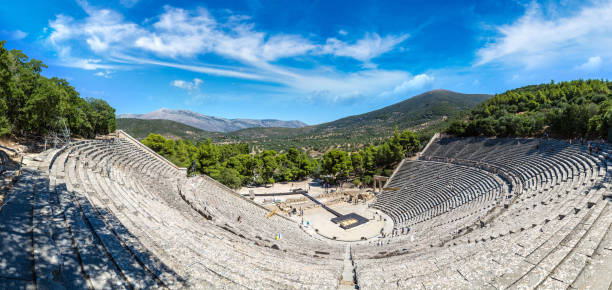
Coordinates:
(16, 35)
(177, 38)
(188, 85)
(180, 33)
(283, 46)
(594, 63)
(205, 69)
(88, 64)
(417, 82)
(342, 32)
(105, 74)
(537, 41)
(101, 29)
(187, 33)
(365, 49)
(62, 28)
(339, 86)
(193, 90)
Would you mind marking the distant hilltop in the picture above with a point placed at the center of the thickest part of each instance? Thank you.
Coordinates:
(213, 124)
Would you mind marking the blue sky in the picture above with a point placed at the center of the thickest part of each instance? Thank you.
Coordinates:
(313, 61)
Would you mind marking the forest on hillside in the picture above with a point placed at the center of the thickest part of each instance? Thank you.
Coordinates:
(424, 114)
(31, 104)
(565, 109)
(234, 165)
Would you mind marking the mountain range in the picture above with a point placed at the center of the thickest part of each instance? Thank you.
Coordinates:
(210, 123)
(424, 113)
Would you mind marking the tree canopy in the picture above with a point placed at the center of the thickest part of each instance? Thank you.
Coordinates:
(231, 164)
(565, 109)
(234, 166)
(33, 104)
(370, 160)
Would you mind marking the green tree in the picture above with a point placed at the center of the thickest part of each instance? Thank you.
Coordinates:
(567, 109)
(337, 164)
(409, 141)
(155, 142)
(267, 166)
(33, 104)
(228, 176)
(357, 162)
(102, 116)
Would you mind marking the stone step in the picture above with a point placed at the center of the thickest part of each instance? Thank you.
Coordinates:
(16, 251)
(97, 265)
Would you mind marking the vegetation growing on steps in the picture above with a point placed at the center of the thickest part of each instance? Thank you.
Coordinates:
(232, 165)
(33, 104)
(566, 109)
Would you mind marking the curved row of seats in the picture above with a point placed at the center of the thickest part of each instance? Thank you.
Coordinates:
(428, 189)
(110, 214)
(225, 251)
(496, 213)
(540, 234)
(226, 207)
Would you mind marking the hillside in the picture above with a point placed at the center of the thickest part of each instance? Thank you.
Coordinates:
(140, 128)
(423, 113)
(210, 123)
(413, 111)
(565, 109)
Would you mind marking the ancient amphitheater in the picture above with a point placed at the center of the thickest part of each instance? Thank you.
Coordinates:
(469, 213)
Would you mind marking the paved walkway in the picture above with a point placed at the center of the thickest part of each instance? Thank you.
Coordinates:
(322, 204)
(320, 219)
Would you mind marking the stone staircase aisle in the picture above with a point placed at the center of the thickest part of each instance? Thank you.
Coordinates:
(348, 280)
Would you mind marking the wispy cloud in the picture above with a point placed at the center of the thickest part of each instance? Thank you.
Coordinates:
(535, 40)
(200, 68)
(128, 3)
(105, 74)
(365, 49)
(15, 35)
(87, 64)
(178, 37)
(592, 64)
(101, 29)
(187, 33)
(188, 85)
(417, 82)
(193, 90)
(179, 33)
(365, 83)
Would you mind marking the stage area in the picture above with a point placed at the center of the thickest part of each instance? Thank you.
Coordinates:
(318, 221)
(349, 221)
